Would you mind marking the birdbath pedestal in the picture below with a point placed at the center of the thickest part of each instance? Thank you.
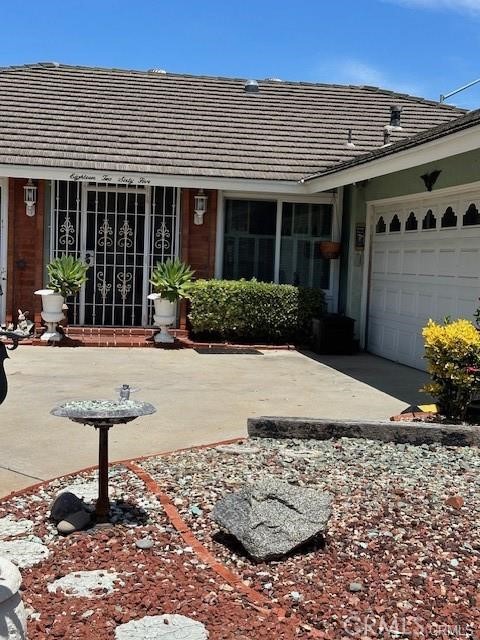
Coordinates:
(103, 415)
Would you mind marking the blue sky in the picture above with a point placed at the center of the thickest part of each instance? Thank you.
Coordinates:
(424, 47)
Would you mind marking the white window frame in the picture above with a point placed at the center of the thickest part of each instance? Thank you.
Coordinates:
(335, 199)
(3, 246)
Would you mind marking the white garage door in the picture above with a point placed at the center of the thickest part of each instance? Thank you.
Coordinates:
(425, 264)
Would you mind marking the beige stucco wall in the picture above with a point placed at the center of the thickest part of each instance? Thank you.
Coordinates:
(456, 170)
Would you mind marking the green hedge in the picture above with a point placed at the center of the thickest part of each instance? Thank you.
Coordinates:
(248, 310)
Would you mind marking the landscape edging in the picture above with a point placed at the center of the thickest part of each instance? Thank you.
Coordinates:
(415, 433)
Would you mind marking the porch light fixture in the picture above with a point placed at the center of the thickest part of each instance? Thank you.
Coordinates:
(200, 207)
(30, 197)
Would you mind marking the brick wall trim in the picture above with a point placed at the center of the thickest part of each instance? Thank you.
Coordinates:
(25, 251)
(198, 242)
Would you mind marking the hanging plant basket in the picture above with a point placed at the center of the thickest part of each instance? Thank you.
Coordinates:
(330, 250)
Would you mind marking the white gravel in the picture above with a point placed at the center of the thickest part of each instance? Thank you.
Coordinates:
(23, 553)
(11, 527)
(87, 584)
(166, 627)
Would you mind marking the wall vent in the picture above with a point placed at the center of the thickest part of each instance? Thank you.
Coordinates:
(395, 115)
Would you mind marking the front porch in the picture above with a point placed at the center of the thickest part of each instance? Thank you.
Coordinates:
(120, 230)
(122, 226)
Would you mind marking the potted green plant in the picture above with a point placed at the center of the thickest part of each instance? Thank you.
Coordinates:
(330, 250)
(66, 275)
(171, 281)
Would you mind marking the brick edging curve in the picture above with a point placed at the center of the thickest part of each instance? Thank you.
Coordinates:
(38, 485)
(257, 600)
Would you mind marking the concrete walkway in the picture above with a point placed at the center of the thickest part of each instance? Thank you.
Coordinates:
(200, 398)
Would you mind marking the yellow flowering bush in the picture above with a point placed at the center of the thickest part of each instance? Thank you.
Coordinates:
(453, 353)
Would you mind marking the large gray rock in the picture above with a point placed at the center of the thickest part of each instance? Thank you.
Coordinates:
(74, 522)
(271, 518)
(64, 505)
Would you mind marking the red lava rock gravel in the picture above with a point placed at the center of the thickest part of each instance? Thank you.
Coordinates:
(405, 526)
(400, 560)
(167, 578)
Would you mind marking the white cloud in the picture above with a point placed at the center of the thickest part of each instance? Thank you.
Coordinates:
(358, 72)
(469, 6)
(355, 71)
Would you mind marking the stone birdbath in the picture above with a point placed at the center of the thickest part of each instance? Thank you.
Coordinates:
(103, 415)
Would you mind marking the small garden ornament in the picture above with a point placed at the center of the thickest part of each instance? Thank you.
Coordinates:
(13, 618)
(25, 327)
(171, 282)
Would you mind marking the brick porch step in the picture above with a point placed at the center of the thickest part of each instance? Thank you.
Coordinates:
(137, 337)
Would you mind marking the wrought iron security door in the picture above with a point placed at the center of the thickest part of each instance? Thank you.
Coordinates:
(121, 232)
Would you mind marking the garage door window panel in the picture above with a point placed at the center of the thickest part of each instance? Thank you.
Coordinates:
(395, 225)
(471, 217)
(449, 218)
(412, 222)
(380, 227)
(429, 222)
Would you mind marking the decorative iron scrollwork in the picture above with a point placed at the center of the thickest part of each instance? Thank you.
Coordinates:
(104, 232)
(67, 233)
(162, 237)
(124, 286)
(125, 232)
(102, 286)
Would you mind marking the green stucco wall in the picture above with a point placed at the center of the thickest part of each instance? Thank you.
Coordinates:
(456, 170)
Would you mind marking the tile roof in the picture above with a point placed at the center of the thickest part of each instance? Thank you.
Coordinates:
(115, 120)
(471, 119)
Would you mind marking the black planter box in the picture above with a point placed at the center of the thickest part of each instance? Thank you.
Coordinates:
(333, 334)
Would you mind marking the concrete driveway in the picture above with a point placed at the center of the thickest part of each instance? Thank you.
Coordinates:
(200, 398)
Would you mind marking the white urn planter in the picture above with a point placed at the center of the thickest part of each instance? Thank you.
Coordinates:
(13, 619)
(52, 313)
(165, 315)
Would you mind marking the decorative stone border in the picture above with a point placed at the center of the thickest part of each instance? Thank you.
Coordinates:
(415, 433)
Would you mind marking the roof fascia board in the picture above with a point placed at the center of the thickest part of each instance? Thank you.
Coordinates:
(465, 189)
(451, 145)
(152, 179)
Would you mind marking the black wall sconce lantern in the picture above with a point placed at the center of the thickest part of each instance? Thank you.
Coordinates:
(430, 178)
